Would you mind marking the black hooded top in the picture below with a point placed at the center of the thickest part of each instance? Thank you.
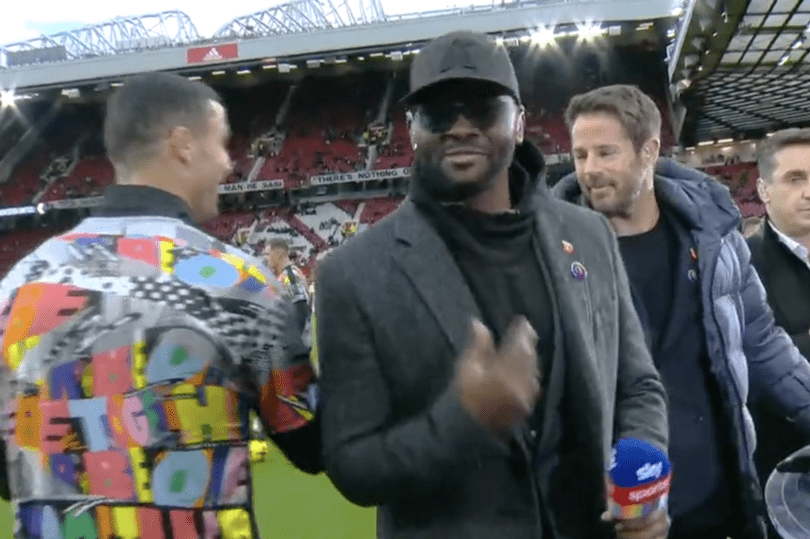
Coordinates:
(496, 255)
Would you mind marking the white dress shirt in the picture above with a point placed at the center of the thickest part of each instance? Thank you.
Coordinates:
(794, 246)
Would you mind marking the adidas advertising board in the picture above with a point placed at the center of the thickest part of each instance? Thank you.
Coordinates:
(212, 53)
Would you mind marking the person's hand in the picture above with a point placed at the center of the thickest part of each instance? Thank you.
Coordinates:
(653, 526)
(499, 387)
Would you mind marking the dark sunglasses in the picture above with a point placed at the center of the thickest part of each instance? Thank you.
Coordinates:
(440, 114)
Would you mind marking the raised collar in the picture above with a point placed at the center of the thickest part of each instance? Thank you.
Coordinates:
(140, 200)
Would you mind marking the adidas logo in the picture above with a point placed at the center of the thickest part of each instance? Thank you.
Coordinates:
(212, 55)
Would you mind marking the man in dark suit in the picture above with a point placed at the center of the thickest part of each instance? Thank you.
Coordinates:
(779, 252)
(479, 347)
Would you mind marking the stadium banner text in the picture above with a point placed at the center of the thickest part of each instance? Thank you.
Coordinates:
(364, 176)
(73, 203)
(91, 202)
(22, 210)
(247, 187)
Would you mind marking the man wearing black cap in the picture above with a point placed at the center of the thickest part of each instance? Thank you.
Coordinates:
(479, 347)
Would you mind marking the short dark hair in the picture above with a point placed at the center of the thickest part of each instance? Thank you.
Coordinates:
(634, 109)
(279, 243)
(767, 148)
(140, 113)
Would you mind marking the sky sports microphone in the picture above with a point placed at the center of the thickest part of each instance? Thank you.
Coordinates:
(638, 480)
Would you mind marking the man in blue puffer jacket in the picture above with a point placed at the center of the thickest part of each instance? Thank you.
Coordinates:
(702, 304)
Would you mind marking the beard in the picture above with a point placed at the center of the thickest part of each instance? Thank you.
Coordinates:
(431, 179)
(618, 206)
(626, 190)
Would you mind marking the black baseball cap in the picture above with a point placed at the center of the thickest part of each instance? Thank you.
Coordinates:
(462, 55)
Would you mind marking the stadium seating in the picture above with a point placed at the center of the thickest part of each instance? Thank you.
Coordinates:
(548, 131)
(321, 134)
(88, 178)
(225, 226)
(376, 208)
(19, 243)
(318, 125)
(741, 179)
(398, 152)
(310, 229)
(26, 183)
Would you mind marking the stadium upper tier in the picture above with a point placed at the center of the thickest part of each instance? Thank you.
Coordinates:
(314, 228)
(290, 34)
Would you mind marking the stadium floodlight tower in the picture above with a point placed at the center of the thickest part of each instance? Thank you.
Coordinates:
(300, 16)
(121, 34)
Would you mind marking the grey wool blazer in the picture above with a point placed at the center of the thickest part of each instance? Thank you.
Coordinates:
(393, 316)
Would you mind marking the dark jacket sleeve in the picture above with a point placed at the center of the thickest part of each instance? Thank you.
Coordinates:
(370, 458)
(777, 370)
(302, 446)
(641, 401)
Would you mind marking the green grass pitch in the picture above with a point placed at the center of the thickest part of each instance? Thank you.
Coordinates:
(289, 505)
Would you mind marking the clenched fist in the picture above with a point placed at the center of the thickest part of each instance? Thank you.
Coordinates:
(499, 387)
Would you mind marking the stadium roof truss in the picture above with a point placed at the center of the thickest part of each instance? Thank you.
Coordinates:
(122, 34)
(758, 81)
(302, 16)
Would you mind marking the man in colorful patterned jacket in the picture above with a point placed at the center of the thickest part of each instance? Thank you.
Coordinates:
(135, 346)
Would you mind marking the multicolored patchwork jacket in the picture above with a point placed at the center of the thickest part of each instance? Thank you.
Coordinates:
(133, 351)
